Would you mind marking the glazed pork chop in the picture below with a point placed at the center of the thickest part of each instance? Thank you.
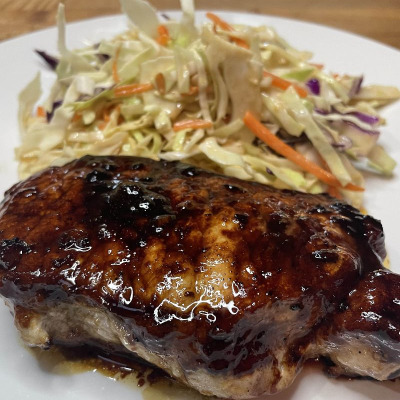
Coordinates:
(227, 285)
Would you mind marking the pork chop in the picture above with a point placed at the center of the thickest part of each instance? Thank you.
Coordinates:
(227, 285)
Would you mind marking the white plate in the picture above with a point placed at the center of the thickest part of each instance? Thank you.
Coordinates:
(21, 377)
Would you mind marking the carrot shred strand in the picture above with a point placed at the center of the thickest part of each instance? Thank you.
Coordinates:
(192, 124)
(162, 30)
(226, 27)
(132, 89)
(163, 35)
(160, 83)
(240, 42)
(219, 22)
(77, 117)
(40, 112)
(192, 91)
(106, 115)
(115, 74)
(355, 188)
(334, 192)
(102, 125)
(284, 84)
(263, 133)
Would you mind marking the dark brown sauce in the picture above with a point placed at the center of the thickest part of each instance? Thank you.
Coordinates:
(153, 382)
(75, 360)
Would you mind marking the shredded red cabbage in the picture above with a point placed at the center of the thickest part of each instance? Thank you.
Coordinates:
(356, 86)
(56, 104)
(373, 132)
(369, 119)
(50, 60)
(313, 85)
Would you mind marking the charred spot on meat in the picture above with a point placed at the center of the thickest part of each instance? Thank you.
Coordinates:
(227, 285)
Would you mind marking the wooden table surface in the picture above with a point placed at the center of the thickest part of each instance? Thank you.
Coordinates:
(376, 19)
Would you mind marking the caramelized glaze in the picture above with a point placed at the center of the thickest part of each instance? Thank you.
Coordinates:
(188, 260)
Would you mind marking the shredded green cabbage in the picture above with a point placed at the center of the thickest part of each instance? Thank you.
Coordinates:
(203, 73)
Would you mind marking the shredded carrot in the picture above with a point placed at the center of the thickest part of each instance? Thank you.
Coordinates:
(192, 124)
(130, 90)
(160, 83)
(163, 35)
(101, 125)
(77, 117)
(284, 84)
(354, 188)
(162, 30)
(192, 91)
(219, 22)
(240, 42)
(334, 192)
(288, 152)
(115, 66)
(106, 115)
(226, 27)
(40, 112)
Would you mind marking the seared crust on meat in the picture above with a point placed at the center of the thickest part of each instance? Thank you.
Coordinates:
(228, 285)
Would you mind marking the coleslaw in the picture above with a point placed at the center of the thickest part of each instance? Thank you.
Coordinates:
(238, 100)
